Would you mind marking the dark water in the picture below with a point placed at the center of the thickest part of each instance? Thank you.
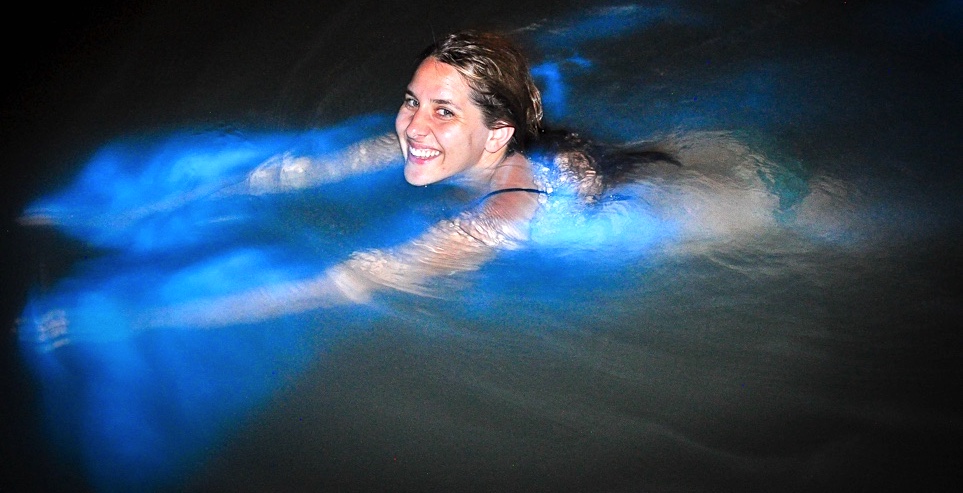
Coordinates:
(818, 358)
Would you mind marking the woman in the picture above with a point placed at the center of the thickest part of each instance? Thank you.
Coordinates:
(469, 113)
(472, 116)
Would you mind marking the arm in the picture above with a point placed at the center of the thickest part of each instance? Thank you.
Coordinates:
(462, 244)
(285, 172)
(458, 245)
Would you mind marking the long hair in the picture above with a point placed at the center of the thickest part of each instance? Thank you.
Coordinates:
(502, 86)
(614, 163)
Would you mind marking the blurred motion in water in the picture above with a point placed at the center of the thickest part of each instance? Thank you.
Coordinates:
(195, 238)
(684, 311)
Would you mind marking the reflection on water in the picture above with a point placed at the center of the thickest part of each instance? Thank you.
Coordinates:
(769, 318)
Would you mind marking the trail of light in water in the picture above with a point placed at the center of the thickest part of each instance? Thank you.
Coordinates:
(142, 408)
(607, 23)
(126, 196)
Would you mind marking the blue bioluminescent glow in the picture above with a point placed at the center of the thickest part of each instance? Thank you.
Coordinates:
(550, 78)
(605, 23)
(140, 405)
(124, 193)
(144, 409)
(566, 39)
(621, 222)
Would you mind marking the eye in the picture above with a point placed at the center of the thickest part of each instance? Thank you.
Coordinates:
(445, 112)
(410, 102)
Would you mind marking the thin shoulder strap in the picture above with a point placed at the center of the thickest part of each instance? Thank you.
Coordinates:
(513, 189)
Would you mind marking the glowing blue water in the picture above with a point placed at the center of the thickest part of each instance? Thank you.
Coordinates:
(622, 350)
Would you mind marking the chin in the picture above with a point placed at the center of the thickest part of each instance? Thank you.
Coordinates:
(417, 179)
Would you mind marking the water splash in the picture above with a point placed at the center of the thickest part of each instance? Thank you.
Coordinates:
(141, 408)
(143, 193)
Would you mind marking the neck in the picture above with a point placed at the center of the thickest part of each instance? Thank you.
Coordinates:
(512, 171)
(496, 172)
(483, 176)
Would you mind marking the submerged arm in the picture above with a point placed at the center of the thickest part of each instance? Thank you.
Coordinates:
(287, 172)
(449, 247)
(461, 244)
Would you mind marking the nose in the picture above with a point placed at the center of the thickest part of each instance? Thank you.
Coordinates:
(417, 125)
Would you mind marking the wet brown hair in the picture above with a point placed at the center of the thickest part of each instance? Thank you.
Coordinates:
(500, 78)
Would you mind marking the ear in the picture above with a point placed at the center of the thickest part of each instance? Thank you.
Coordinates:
(499, 137)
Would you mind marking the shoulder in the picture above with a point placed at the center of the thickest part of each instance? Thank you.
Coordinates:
(514, 194)
(506, 211)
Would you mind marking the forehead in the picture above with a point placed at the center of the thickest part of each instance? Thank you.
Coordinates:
(437, 80)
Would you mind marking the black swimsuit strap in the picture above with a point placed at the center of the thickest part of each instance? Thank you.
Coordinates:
(514, 189)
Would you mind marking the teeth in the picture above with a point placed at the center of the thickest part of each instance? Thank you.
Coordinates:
(423, 153)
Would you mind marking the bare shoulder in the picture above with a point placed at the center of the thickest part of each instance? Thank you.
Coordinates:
(514, 198)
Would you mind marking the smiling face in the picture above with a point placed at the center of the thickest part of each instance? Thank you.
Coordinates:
(441, 131)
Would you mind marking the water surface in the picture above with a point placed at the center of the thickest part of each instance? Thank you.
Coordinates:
(812, 351)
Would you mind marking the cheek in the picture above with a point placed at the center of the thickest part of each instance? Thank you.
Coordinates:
(401, 126)
(453, 138)
(401, 123)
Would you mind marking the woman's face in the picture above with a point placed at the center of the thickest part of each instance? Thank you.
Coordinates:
(441, 131)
